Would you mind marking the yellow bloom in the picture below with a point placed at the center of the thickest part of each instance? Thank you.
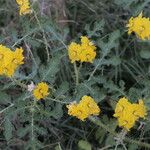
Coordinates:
(72, 109)
(128, 113)
(18, 57)
(84, 109)
(84, 52)
(140, 26)
(10, 60)
(122, 104)
(87, 54)
(9, 70)
(82, 112)
(139, 110)
(127, 121)
(3, 53)
(74, 51)
(41, 91)
(85, 41)
(90, 105)
(24, 7)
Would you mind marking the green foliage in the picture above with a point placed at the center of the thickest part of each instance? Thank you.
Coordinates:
(135, 5)
(96, 30)
(121, 68)
(49, 72)
(84, 145)
(145, 54)
(8, 129)
(4, 98)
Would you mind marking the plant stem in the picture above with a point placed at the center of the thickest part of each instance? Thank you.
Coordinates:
(44, 36)
(6, 108)
(98, 64)
(32, 124)
(126, 139)
(76, 73)
(58, 101)
(20, 83)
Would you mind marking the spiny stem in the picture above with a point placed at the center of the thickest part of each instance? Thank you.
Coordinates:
(99, 123)
(76, 73)
(44, 37)
(58, 101)
(6, 108)
(32, 122)
(20, 83)
(126, 139)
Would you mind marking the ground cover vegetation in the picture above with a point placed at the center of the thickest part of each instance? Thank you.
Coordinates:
(74, 75)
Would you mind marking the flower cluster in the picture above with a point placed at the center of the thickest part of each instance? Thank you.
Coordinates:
(140, 26)
(24, 7)
(10, 60)
(85, 108)
(40, 91)
(128, 113)
(84, 52)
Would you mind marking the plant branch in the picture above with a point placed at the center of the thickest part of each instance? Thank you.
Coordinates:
(126, 139)
(11, 105)
(76, 73)
(19, 83)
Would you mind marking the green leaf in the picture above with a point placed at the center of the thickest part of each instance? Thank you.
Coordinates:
(135, 6)
(63, 88)
(84, 145)
(40, 130)
(57, 111)
(8, 129)
(96, 30)
(100, 135)
(133, 146)
(58, 147)
(125, 3)
(110, 43)
(4, 98)
(48, 73)
(115, 61)
(110, 140)
(145, 54)
(91, 88)
(21, 132)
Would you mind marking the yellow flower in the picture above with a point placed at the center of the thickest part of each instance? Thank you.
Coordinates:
(82, 112)
(87, 54)
(3, 53)
(10, 60)
(85, 41)
(24, 7)
(90, 105)
(74, 51)
(18, 57)
(128, 113)
(41, 91)
(84, 52)
(85, 108)
(139, 110)
(140, 26)
(122, 104)
(72, 109)
(127, 121)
